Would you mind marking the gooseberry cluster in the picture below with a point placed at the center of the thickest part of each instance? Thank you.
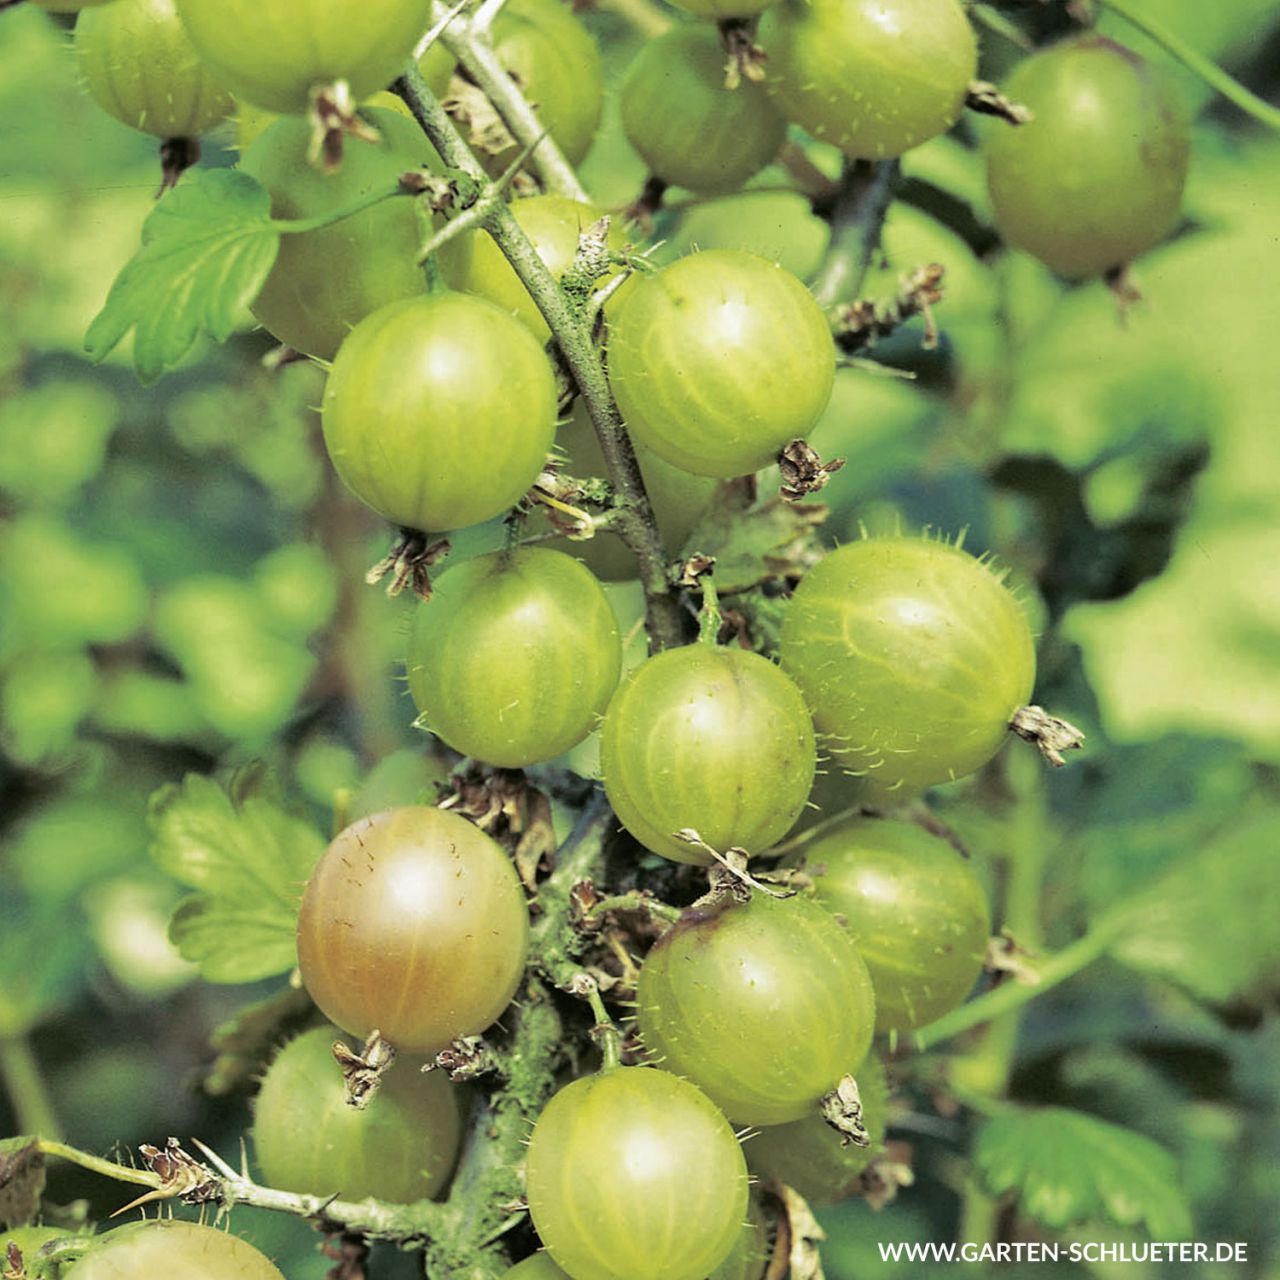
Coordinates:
(901, 662)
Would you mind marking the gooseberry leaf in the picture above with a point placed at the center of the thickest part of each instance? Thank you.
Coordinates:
(206, 249)
(248, 858)
(1211, 923)
(1066, 1167)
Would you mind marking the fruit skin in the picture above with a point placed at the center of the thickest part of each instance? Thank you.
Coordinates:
(473, 263)
(515, 656)
(554, 59)
(272, 52)
(139, 65)
(538, 1267)
(28, 1241)
(751, 1251)
(714, 10)
(915, 909)
(633, 1174)
(436, 65)
(690, 129)
(913, 656)
(679, 499)
(171, 1248)
(66, 6)
(324, 282)
(764, 1005)
(400, 1148)
(413, 922)
(719, 361)
(439, 411)
(808, 1154)
(873, 77)
(710, 738)
(1097, 176)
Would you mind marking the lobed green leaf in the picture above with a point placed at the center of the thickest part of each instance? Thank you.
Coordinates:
(248, 858)
(1067, 1167)
(206, 249)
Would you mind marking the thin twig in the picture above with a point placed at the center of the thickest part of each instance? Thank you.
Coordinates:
(475, 54)
(857, 216)
(635, 522)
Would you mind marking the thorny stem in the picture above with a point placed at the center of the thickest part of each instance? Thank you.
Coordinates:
(606, 1035)
(634, 514)
(643, 903)
(857, 217)
(463, 1234)
(369, 1217)
(709, 618)
(466, 41)
(553, 942)
(1208, 71)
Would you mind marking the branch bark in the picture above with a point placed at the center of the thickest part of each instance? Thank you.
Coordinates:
(635, 522)
(476, 56)
(857, 213)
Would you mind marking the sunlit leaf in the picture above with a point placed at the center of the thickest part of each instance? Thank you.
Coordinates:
(206, 249)
(232, 940)
(1066, 1167)
(249, 859)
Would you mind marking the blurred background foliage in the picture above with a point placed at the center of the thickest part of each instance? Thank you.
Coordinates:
(180, 590)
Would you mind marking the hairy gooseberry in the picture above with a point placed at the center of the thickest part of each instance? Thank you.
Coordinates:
(439, 411)
(273, 53)
(811, 1157)
(633, 1174)
(139, 65)
(692, 130)
(1096, 177)
(874, 77)
(166, 1247)
(719, 361)
(414, 924)
(915, 909)
(515, 656)
(764, 1005)
(400, 1147)
(913, 656)
(713, 739)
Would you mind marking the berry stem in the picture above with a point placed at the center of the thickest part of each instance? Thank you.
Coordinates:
(468, 41)
(299, 226)
(856, 213)
(1010, 996)
(709, 617)
(1208, 71)
(635, 522)
(605, 1034)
